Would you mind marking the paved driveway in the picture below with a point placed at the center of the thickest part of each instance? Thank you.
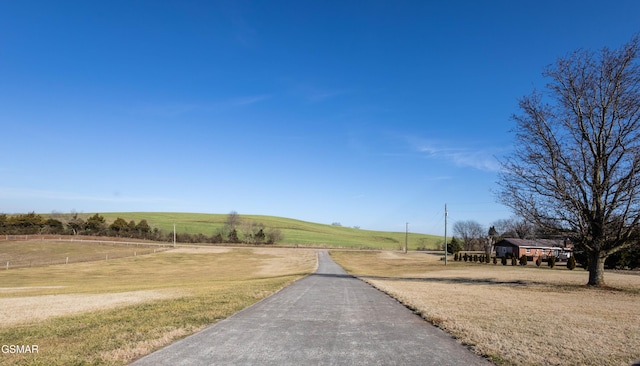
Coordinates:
(327, 318)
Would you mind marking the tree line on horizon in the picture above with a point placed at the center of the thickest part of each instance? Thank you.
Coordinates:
(235, 230)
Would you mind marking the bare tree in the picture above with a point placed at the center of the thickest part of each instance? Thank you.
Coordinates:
(233, 220)
(471, 233)
(514, 227)
(576, 163)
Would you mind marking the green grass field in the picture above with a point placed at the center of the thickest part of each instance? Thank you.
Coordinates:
(296, 232)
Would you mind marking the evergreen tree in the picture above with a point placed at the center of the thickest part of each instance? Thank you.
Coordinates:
(233, 236)
(96, 224)
(119, 227)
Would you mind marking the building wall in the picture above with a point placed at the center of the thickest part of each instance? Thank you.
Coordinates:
(501, 251)
(534, 253)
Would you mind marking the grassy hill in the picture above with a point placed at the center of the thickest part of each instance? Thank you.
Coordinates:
(295, 231)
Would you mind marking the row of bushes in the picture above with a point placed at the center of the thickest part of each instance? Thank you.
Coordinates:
(486, 258)
(96, 225)
(260, 237)
(30, 223)
(473, 258)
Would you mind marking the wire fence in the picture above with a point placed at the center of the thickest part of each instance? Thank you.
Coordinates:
(81, 239)
(120, 249)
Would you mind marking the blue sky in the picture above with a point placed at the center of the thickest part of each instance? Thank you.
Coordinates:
(367, 113)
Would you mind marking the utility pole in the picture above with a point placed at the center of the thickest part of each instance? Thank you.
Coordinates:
(174, 235)
(445, 234)
(406, 238)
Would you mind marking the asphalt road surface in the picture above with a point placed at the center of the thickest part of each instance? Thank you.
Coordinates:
(327, 318)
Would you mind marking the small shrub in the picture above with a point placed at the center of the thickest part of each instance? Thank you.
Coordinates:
(233, 236)
(539, 261)
(487, 258)
(274, 235)
(552, 261)
(503, 260)
(495, 260)
(455, 257)
(514, 261)
(523, 260)
(475, 258)
(571, 264)
(466, 257)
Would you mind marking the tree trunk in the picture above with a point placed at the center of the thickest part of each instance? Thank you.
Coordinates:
(596, 269)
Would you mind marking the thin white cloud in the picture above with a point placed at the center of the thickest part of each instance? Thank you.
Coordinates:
(439, 178)
(317, 95)
(477, 158)
(166, 110)
(179, 109)
(248, 100)
(26, 193)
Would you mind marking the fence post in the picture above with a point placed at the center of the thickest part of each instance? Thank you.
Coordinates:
(7, 265)
(67, 261)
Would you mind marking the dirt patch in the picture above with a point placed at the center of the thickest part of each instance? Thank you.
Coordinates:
(22, 289)
(390, 255)
(285, 261)
(200, 250)
(410, 257)
(274, 261)
(21, 310)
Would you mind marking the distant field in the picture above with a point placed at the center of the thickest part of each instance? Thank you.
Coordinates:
(514, 315)
(112, 312)
(295, 231)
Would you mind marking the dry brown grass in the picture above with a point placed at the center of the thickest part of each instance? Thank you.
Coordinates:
(514, 315)
(140, 349)
(35, 253)
(29, 309)
(112, 312)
